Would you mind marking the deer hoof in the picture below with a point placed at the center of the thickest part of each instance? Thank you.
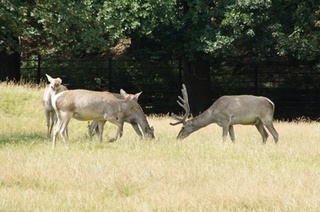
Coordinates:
(112, 140)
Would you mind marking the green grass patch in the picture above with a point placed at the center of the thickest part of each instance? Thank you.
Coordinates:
(200, 173)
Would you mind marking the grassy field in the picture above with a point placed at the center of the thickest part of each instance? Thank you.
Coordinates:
(200, 173)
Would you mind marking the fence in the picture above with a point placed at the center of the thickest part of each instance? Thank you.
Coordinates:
(158, 79)
(295, 89)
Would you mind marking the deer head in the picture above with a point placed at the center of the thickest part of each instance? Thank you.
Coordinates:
(55, 83)
(148, 131)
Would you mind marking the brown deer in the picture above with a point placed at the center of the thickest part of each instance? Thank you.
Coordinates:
(53, 88)
(136, 119)
(87, 105)
(228, 111)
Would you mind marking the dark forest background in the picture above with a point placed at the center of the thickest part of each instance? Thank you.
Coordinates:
(216, 48)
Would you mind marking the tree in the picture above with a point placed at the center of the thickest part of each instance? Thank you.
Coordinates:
(9, 66)
(180, 29)
(64, 28)
(193, 23)
(10, 30)
(265, 29)
(297, 32)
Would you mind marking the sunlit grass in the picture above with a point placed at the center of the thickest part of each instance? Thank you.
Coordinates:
(198, 173)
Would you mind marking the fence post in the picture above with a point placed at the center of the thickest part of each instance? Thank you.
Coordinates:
(110, 75)
(180, 71)
(39, 69)
(256, 78)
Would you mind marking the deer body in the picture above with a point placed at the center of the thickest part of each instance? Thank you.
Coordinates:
(91, 105)
(53, 88)
(231, 110)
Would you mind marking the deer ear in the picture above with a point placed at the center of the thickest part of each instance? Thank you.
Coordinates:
(123, 93)
(136, 96)
(60, 80)
(49, 78)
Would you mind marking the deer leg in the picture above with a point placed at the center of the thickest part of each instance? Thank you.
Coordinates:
(231, 132)
(268, 122)
(262, 132)
(118, 120)
(225, 129)
(136, 128)
(47, 113)
(97, 129)
(120, 129)
(119, 132)
(64, 132)
(273, 131)
(67, 132)
(100, 130)
(93, 126)
(62, 128)
(53, 120)
(55, 134)
(49, 125)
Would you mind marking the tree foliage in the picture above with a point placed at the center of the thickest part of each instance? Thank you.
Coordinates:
(64, 28)
(270, 29)
(215, 27)
(297, 33)
(10, 26)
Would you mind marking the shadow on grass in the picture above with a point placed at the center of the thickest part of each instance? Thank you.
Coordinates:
(20, 138)
(34, 139)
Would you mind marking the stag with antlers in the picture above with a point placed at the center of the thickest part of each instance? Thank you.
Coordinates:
(228, 111)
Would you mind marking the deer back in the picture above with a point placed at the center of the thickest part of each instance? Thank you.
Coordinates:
(88, 105)
(76, 99)
(242, 109)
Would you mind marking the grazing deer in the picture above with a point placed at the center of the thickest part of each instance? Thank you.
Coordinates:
(87, 105)
(228, 111)
(136, 119)
(53, 88)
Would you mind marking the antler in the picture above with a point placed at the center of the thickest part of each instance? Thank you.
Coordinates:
(184, 103)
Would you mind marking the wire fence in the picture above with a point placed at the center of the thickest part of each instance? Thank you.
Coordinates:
(295, 89)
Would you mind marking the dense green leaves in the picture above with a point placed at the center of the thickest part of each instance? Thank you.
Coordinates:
(215, 27)
(64, 27)
(124, 17)
(10, 27)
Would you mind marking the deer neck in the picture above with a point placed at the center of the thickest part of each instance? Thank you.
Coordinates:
(142, 120)
(202, 120)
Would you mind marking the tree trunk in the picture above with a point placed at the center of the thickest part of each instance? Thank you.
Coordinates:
(196, 74)
(9, 66)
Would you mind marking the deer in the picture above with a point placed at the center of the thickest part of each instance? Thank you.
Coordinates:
(86, 105)
(53, 88)
(136, 119)
(228, 111)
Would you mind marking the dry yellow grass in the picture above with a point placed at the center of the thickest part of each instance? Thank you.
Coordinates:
(199, 173)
